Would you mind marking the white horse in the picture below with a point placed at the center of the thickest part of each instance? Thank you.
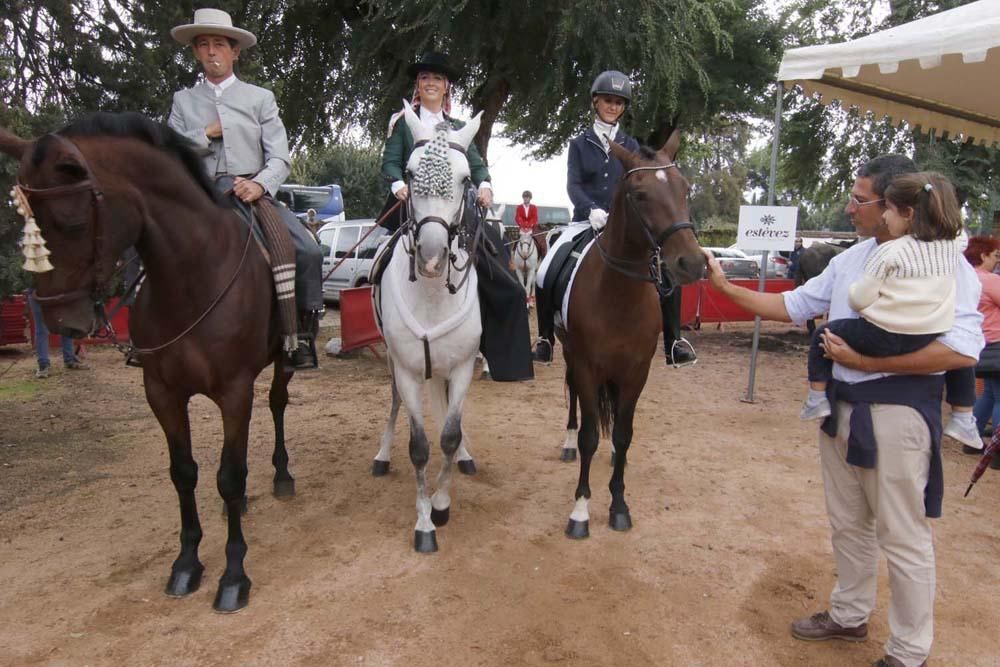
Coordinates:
(524, 254)
(430, 314)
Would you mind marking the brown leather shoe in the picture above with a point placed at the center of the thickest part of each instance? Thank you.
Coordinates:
(820, 627)
(889, 661)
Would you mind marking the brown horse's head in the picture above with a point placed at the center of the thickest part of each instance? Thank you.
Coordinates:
(653, 199)
(59, 193)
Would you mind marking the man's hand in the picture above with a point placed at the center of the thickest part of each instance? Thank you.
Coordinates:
(716, 276)
(402, 193)
(486, 198)
(247, 190)
(214, 131)
(836, 348)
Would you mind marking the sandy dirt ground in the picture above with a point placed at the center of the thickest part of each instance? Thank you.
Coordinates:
(730, 543)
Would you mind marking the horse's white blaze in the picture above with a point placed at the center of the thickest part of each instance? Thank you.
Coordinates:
(581, 511)
(571, 436)
(661, 175)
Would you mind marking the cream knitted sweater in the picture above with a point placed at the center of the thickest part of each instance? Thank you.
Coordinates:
(908, 286)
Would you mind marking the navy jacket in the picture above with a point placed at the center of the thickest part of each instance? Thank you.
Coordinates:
(594, 174)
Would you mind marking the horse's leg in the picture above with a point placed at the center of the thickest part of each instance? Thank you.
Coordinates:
(424, 535)
(466, 465)
(171, 411)
(621, 436)
(579, 521)
(284, 483)
(236, 404)
(380, 466)
(451, 396)
(569, 445)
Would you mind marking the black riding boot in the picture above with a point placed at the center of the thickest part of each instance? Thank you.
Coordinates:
(546, 326)
(678, 350)
(304, 356)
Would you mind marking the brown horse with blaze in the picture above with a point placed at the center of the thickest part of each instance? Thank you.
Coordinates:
(205, 318)
(614, 312)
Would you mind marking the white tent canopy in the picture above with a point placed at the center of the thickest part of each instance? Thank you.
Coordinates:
(941, 72)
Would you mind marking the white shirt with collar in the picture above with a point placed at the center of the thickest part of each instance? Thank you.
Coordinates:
(219, 88)
(829, 292)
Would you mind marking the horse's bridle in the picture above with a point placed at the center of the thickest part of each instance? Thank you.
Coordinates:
(89, 184)
(631, 268)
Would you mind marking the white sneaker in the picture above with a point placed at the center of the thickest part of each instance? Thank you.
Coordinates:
(965, 433)
(818, 410)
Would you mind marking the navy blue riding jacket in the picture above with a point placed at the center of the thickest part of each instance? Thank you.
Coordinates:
(593, 173)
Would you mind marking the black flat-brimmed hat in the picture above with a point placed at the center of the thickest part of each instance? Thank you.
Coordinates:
(433, 61)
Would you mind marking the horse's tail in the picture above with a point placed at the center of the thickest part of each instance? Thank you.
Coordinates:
(607, 406)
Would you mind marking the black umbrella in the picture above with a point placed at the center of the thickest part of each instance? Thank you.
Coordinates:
(988, 454)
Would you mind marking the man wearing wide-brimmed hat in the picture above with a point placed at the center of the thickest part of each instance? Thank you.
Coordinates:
(237, 129)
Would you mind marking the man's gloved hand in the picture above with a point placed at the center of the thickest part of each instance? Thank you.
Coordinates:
(598, 218)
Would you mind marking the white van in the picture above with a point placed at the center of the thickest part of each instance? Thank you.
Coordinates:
(336, 239)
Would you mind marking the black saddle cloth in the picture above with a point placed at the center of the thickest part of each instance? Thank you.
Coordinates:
(560, 268)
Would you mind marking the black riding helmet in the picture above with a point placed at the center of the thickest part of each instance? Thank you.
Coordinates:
(612, 82)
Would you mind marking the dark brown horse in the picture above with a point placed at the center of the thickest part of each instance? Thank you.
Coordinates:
(207, 307)
(614, 312)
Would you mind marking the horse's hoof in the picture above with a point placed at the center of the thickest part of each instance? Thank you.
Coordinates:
(184, 582)
(578, 530)
(440, 517)
(283, 488)
(243, 508)
(232, 597)
(620, 521)
(568, 454)
(467, 467)
(380, 468)
(425, 541)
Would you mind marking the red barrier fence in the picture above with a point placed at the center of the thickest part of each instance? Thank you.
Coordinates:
(13, 320)
(701, 303)
(357, 319)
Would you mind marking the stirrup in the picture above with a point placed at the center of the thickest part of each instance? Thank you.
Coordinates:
(682, 345)
(133, 359)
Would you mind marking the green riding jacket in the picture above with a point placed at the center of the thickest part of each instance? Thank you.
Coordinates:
(399, 146)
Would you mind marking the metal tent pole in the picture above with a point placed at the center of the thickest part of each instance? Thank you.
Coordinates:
(763, 258)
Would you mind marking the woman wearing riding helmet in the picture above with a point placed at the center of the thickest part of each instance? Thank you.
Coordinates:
(593, 174)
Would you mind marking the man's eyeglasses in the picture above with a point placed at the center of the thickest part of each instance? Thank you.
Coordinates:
(861, 204)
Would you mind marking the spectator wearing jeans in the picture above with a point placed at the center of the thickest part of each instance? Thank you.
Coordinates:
(70, 359)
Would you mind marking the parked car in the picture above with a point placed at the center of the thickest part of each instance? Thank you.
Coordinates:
(735, 263)
(325, 200)
(777, 265)
(336, 239)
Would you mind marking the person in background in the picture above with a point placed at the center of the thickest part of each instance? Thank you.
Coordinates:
(984, 255)
(793, 259)
(526, 218)
(70, 360)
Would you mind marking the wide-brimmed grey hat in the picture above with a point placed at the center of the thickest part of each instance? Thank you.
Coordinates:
(433, 61)
(212, 22)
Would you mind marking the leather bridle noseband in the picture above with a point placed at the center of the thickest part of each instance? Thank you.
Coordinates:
(632, 268)
(88, 184)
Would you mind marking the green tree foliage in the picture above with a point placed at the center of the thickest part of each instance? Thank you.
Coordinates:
(355, 167)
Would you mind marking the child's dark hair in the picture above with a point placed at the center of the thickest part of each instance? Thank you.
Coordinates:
(936, 214)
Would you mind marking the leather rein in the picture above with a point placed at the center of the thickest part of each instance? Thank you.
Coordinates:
(103, 276)
(632, 268)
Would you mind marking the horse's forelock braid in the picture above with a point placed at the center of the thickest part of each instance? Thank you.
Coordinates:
(434, 177)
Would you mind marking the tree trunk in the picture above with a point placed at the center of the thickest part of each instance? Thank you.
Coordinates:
(489, 98)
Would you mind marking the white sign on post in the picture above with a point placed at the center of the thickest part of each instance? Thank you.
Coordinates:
(767, 227)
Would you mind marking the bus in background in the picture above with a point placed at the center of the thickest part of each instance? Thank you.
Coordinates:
(326, 201)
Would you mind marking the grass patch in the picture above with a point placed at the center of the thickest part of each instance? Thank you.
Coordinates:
(18, 389)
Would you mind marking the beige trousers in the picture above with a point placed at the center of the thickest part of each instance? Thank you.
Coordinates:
(883, 508)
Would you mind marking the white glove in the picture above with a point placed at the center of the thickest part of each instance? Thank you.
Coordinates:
(598, 218)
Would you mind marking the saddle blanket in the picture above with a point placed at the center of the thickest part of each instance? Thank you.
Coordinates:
(561, 265)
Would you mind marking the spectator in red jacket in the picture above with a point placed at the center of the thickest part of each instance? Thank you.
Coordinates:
(526, 218)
